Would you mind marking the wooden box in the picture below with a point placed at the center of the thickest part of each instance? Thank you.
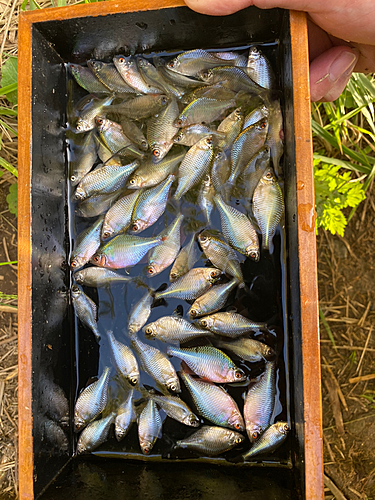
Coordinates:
(48, 38)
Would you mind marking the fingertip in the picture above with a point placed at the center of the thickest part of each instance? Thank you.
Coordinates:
(330, 72)
(218, 7)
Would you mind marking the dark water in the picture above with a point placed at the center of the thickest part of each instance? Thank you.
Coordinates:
(266, 302)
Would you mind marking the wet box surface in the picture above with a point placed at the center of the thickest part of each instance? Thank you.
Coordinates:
(48, 354)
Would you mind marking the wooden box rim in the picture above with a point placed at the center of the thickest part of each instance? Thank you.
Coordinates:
(306, 234)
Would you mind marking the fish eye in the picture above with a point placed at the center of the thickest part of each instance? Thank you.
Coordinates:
(135, 227)
(121, 60)
(156, 152)
(148, 331)
(268, 175)
(203, 239)
(255, 435)
(253, 255)
(146, 450)
(106, 234)
(213, 274)
(133, 381)
(178, 122)
(164, 100)
(74, 264)
(208, 140)
(237, 114)
(237, 426)
(96, 259)
(75, 288)
(219, 155)
(263, 124)
(173, 387)
(286, 427)
(132, 181)
(205, 74)
(99, 121)
(174, 275)
(178, 138)
(238, 374)
(193, 313)
(144, 144)
(150, 270)
(73, 178)
(204, 323)
(238, 440)
(79, 127)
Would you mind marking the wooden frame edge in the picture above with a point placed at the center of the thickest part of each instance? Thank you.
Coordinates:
(25, 438)
(99, 9)
(307, 259)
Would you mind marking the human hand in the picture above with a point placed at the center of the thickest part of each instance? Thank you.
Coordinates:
(341, 37)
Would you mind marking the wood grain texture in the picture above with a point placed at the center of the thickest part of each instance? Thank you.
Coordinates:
(25, 440)
(307, 260)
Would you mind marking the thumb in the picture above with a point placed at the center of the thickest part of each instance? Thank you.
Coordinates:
(223, 8)
(330, 72)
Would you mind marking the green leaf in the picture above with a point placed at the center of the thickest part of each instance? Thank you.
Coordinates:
(8, 111)
(8, 78)
(12, 199)
(5, 164)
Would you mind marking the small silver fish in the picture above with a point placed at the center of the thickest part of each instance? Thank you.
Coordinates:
(86, 244)
(92, 401)
(123, 359)
(185, 260)
(210, 441)
(269, 440)
(125, 417)
(95, 434)
(140, 312)
(173, 329)
(98, 277)
(149, 427)
(85, 309)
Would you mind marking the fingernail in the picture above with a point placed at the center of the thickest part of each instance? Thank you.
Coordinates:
(342, 65)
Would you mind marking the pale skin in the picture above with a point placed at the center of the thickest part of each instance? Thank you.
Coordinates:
(341, 37)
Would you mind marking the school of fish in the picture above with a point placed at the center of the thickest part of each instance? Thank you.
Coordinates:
(150, 137)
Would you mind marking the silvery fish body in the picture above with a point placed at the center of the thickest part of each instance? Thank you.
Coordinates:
(149, 427)
(140, 312)
(86, 245)
(83, 159)
(141, 107)
(238, 230)
(153, 77)
(259, 69)
(86, 120)
(230, 127)
(150, 205)
(191, 134)
(248, 349)
(97, 204)
(231, 77)
(213, 300)
(210, 441)
(164, 255)
(275, 133)
(214, 403)
(192, 284)
(119, 216)
(110, 77)
(237, 59)
(104, 180)
(85, 310)
(161, 129)
(95, 434)
(173, 329)
(97, 277)
(177, 409)
(269, 440)
(268, 206)
(150, 174)
(190, 63)
(112, 135)
(157, 365)
(125, 417)
(260, 402)
(253, 172)
(92, 401)
(194, 166)
(128, 69)
(123, 359)
(87, 80)
(229, 324)
(185, 260)
(123, 251)
(220, 169)
(221, 255)
(134, 133)
(206, 196)
(257, 114)
(203, 110)
(209, 363)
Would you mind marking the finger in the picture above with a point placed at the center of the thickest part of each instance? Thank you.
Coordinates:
(222, 8)
(330, 72)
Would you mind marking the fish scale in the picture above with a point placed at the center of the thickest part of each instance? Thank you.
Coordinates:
(97, 276)
(95, 434)
(119, 216)
(229, 324)
(86, 120)
(150, 205)
(128, 69)
(203, 110)
(109, 76)
(210, 441)
(85, 309)
(260, 402)
(86, 244)
(248, 349)
(161, 130)
(189, 63)
(86, 79)
(140, 312)
(175, 408)
(124, 359)
(185, 260)
(191, 285)
(123, 251)
(235, 79)
(270, 440)
(156, 364)
(259, 68)
(125, 417)
(173, 329)
(149, 427)
(205, 197)
(92, 401)
(141, 107)
(164, 255)
(238, 230)
(213, 300)
(209, 363)
(214, 403)
(268, 206)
